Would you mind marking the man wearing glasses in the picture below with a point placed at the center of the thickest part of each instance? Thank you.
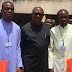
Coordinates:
(35, 37)
(10, 51)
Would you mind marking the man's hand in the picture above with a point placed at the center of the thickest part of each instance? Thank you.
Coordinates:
(18, 70)
(51, 70)
(22, 69)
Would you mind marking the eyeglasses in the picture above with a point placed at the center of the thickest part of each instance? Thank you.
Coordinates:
(49, 22)
(63, 17)
(38, 14)
(12, 9)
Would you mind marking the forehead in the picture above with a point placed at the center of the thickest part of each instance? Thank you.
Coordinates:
(48, 20)
(10, 5)
(38, 10)
(63, 13)
(70, 19)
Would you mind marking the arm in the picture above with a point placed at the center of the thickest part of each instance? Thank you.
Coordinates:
(50, 53)
(22, 46)
(18, 53)
(22, 43)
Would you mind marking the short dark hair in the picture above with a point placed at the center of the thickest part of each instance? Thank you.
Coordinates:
(37, 7)
(5, 2)
(61, 11)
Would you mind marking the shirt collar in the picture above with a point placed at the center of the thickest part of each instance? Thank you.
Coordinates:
(64, 27)
(5, 21)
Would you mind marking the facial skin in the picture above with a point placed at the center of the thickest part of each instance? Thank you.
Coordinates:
(63, 18)
(54, 22)
(7, 14)
(37, 15)
(70, 21)
(49, 22)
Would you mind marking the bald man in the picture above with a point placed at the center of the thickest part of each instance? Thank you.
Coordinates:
(34, 42)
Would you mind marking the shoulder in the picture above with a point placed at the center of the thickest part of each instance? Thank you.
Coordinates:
(0, 21)
(55, 28)
(15, 26)
(1, 25)
(26, 26)
(46, 28)
(45, 25)
(70, 25)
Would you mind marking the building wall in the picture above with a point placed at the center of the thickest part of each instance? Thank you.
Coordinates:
(49, 6)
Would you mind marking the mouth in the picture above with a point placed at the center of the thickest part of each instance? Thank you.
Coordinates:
(9, 14)
(38, 18)
(64, 22)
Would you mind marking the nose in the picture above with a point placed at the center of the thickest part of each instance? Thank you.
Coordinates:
(10, 10)
(64, 19)
(38, 15)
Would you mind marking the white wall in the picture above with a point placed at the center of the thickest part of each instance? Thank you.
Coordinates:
(49, 6)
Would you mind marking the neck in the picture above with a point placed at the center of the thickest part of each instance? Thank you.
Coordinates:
(37, 24)
(63, 25)
(7, 20)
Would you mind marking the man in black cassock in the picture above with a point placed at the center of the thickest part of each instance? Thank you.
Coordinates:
(35, 38)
